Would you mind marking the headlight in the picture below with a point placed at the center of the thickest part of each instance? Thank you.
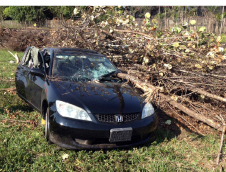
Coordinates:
(148, 110)
(71, 111)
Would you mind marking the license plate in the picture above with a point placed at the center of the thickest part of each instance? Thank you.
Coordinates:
(120, 134)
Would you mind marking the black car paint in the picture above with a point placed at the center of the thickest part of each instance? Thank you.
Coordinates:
(106, 97)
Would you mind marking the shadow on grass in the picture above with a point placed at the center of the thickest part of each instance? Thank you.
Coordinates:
(172, 130)
(25, 108)
(1, 110)
(164, 131)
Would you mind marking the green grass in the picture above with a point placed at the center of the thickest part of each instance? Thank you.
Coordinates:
(23, 147)
(223, 37)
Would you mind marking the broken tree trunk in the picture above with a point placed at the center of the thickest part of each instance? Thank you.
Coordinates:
(146, 87)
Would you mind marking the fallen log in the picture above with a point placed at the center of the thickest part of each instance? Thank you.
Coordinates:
(138, 83)
(150, 89)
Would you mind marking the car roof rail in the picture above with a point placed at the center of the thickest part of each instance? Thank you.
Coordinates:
(75, 50)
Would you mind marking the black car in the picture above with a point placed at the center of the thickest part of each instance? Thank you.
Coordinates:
(83, 102)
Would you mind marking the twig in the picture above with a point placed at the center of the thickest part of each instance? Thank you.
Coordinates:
(204, 74)
(221, 65)
(202, 92)
(15, 56)
(13, 120)
(190, 83)
(129, 31)
(208, 94)
(8, 89)
(222, 139)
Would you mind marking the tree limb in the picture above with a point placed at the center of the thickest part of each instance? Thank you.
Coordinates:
(146, 87)
(204, 74)
(222, 139)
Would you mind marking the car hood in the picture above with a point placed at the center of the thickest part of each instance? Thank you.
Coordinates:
(105, 98)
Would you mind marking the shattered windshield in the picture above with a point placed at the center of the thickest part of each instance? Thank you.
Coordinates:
(81, 67)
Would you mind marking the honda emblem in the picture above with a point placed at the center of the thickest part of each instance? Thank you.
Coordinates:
(118, 118)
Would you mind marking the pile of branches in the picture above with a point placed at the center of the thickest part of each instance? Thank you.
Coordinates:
(20, 39)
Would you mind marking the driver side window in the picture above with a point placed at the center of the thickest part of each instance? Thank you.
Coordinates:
(33, 59)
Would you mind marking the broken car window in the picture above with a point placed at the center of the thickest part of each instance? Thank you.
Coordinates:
(81, 67)
(33, 58)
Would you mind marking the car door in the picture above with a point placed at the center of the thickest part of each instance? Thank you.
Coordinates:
(21, 76)
(36, 83)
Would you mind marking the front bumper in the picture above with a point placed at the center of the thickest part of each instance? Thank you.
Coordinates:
(75, 134)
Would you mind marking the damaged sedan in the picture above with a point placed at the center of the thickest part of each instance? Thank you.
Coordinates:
(84, 105)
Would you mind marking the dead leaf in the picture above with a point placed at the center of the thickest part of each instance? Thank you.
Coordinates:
(168, 122)
(174, 97)
(218, 39)
(65, 156)
(198, 66)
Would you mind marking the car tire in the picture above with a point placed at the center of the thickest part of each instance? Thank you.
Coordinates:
(47, 131)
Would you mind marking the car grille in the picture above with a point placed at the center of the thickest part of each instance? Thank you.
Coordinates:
(110, 118)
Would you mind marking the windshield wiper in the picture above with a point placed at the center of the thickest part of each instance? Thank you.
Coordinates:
(109, 77)
(108, 74)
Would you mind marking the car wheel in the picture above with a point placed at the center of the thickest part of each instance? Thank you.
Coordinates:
(47, 132)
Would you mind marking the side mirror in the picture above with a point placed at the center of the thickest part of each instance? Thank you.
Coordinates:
(37, 72)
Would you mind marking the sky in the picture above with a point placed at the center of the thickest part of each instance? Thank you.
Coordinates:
(115, 2)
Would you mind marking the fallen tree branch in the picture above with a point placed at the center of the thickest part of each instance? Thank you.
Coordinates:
(202, 92)
(221, 65)
(147, 69)
(204, 74)
(108, 34)
(222, 139)
(146, 87)
(129, 31)
(148, 36)
(214, 96)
